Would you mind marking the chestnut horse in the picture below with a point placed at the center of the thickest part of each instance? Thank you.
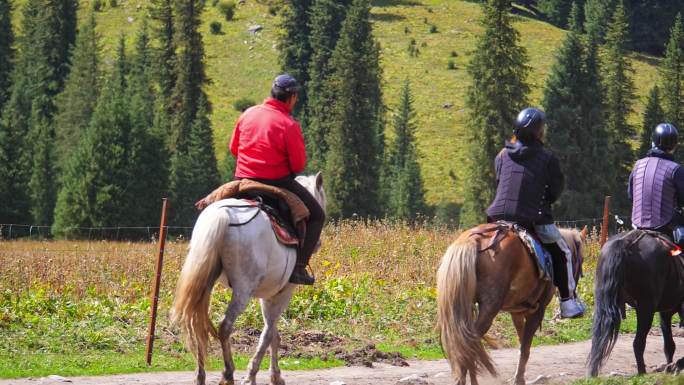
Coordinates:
(490, 266)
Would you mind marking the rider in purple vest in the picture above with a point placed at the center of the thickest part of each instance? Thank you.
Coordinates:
(529, 180)
(656, 187)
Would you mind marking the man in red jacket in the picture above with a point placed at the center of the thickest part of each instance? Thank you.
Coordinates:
(269, 148)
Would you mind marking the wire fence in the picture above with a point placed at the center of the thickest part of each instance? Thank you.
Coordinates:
(13, 231)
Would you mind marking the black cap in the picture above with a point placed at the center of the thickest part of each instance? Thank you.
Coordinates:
(287, 83)
(665, 136)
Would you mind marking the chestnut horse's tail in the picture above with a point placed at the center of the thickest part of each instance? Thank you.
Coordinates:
(456, 287)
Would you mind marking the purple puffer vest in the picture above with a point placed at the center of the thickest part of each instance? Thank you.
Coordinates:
(654, 196)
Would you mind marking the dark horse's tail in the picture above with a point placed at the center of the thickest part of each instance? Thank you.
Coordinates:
(609, 302)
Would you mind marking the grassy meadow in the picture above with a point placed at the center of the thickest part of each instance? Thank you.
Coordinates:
(76, 307)
(241, 64)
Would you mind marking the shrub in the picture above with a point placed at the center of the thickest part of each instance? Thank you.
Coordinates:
(214, 3)
(113, 3)
(429, 9)
(97, 5)
(433, 28)
(243, 104)
(227, 8)
(273, 10)
(215, 27)
(407, 30)
(454, 54)
(451, 65)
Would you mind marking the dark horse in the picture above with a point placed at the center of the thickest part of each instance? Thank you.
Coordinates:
(636, 268)
(488, 270)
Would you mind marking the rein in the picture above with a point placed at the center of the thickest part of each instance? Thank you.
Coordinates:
(256, 214)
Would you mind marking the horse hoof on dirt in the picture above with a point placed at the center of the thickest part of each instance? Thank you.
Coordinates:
(277, 381)
(227, 382)
(249, 381)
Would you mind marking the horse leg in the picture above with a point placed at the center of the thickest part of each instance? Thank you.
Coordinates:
(271, 310)
(487, 312)
(666, 329)
(644, 322)
(235, 308)
(532, 323)
(519, 323)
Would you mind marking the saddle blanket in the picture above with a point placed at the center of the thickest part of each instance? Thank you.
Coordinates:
(540, 254)
(243, 211)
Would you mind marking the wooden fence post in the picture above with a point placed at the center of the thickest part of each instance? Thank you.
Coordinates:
(604, 226)
(157, 283)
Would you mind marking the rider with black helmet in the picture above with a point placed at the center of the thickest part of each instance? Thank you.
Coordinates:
(529, 180)
(656, 186)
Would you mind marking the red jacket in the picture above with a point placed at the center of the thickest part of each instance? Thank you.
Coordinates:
(268, 142)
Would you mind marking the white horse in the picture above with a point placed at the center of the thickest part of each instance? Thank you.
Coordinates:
(251, 259)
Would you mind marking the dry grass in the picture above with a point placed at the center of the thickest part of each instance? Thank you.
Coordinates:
(395, 253)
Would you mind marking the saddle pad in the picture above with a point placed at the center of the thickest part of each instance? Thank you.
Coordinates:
(243, 211)
(543, 258)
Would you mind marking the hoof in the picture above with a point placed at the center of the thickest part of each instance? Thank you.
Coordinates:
(227, 382)
(277, 381)
(249, 381)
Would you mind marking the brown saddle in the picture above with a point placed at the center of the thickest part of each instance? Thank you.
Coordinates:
(528, 237)
(298, 213)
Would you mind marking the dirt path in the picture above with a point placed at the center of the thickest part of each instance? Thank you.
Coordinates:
(559, 363)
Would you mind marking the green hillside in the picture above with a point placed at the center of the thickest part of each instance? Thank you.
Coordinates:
(241, 64)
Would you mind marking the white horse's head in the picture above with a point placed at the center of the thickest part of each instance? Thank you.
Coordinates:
(314, 184)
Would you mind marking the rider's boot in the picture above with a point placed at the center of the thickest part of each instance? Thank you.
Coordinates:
(569, 306)
(299, 275)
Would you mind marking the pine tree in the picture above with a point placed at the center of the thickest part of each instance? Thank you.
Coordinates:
(586, 200)
(498, 92)
(6, 50)
(597, 13)
(672, 73)
(352, 165)
(193, 164)
(190, 72)
(193, 169)
(556, 11)
(653, 115)
(406, 196)
(619, 96)
(651, 22)
(326, 22)
(76, 103)
(295, 51)
(93, 192)
(148, 173)
(161, 12)
(42, 181)
(563, 102)
(48, 30)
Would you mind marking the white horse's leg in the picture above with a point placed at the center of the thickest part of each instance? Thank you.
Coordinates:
(271, 310)
(235, 308)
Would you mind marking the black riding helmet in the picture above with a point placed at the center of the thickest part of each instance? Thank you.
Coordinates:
(665, 137)
(529, 123)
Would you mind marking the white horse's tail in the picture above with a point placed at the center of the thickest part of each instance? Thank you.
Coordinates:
(201, 269)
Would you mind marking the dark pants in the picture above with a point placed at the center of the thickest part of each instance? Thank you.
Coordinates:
(560, 269)
(314, 225)
(671, 229)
